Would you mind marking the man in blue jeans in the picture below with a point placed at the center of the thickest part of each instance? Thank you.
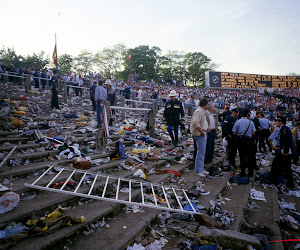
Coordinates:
(198, 128)
(100, 95)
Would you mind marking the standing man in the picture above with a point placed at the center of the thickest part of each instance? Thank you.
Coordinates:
(227, 127)
(198, 128)
(54, 90)
(281, 165)
(258, 131)
(211, 132)
(92, 94)
(265, 125)
(44, 79)
(174, 115)
(244, 129)
(100, 95)
(76, 83)
(111, 96)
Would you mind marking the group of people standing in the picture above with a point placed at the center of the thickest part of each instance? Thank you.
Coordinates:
(202, 127)
(243, 134)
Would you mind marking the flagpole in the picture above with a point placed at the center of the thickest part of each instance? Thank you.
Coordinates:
(56, 53)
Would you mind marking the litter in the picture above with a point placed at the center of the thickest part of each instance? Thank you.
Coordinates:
(8, 202)
(257, 195)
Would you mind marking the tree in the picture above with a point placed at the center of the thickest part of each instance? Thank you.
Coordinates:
(37, 61)
(83, 63)
(293, 74)
(172, 65)
(65, 63)
(109, 59)
(143, 60)
(9, 56)
(197, 63)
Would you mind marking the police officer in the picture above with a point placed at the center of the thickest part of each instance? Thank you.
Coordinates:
(244, 130)
(227, 126)
(257, 128)
(281, 165)
(265, 125)
(172, 113)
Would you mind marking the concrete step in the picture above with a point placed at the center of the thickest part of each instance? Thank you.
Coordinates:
(96, 210)
(266, 213)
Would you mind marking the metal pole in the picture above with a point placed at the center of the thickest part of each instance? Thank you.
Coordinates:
(6, 158)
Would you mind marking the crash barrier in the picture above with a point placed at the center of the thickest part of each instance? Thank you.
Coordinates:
(159, 192)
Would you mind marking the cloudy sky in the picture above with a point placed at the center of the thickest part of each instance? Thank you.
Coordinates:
(248, 36)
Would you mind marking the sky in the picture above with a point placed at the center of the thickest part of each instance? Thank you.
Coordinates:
(246, 36)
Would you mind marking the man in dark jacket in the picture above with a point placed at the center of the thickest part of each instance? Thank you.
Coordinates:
(281, 165)
(173, 114)
(92, 94)
(54, 99)
(227, 127)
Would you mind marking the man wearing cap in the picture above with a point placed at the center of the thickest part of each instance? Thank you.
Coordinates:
(281, 165)
(227, 126)
(265, 125)
(244, 129)
(100, 95)
(198, 128)
(173, 114)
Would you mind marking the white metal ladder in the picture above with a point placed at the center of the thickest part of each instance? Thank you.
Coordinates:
(158, 193)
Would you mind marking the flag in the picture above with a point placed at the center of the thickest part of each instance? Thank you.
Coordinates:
(128, 57)
(54, 56)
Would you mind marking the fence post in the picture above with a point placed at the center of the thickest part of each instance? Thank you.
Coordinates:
(65, 92)
(133, 98)
(155, 106)
(5, 78)
(151, 122)
(122, 103)
(60, 86)
(28, 83)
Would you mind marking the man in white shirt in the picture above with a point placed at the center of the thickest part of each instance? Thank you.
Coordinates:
(100, 95)
(76, 83)
(198, 128)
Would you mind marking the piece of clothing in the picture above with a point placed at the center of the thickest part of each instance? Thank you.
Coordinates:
(212, 123)
(99, 111)
(264, 123)
(210, 147)
(201, 148)
(281, 166)
(245, 148)
(173, 112)
(244, 127)
(112, 97)
(100, 93)
(227, 125)
(231, 151)
(198, 121)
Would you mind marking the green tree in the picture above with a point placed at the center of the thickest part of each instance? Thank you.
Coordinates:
(9, 56)
(83, 63)
(172, 65)
(196, 65)
(143, 61)
(38, 61)
(109, 59)
(65, 63)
